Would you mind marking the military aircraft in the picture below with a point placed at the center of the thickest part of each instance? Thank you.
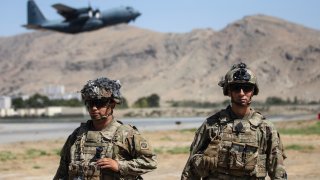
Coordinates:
(77, 20)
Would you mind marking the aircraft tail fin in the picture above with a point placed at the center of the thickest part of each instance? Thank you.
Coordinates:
(35, 16)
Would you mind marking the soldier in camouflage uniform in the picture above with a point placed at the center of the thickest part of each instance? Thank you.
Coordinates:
(236, 143)
(104, 148)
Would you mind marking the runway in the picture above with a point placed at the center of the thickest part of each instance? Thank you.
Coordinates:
(17, 131)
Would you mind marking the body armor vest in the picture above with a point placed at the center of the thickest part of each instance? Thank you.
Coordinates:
(240, 148)
(88, 148)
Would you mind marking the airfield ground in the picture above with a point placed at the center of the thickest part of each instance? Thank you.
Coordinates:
(39, 160)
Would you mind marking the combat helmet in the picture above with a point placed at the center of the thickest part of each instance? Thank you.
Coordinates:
(239, 73)
(102, 89)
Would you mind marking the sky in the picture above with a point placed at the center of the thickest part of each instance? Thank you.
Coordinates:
(176, 16)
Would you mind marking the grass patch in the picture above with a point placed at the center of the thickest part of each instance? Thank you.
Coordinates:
(166, 138)
(172, 150)
(179, 150)
(159, 150)
(299, 147)
(56, 152)
(7, 155)
(36, 167)
(310, 130)
(33, 153)
(192, 130)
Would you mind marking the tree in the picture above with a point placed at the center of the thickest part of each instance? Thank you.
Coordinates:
(38, 101)
(274, 101)
(62, 102)
(151, 101)
(124, 104)
(18, 103)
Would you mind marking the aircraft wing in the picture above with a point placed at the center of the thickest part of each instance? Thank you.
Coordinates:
(67, 12)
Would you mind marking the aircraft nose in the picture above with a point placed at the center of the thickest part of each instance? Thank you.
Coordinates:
(136, 14)
(133, 13)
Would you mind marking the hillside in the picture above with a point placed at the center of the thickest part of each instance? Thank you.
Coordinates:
(184, 66)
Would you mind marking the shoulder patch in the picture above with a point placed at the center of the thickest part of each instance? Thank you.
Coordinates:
(144, 145)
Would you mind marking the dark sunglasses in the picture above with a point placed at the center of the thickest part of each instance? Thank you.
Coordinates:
(96, 103)
(245, 87)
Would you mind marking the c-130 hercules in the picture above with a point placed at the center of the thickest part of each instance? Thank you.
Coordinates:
(78, 20)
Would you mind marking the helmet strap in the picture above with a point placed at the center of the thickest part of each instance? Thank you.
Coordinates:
(102, 117)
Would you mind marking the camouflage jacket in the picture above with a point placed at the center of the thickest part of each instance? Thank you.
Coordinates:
(227, 147)
(120, 142)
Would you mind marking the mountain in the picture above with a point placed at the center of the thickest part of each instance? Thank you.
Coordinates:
(177, 66)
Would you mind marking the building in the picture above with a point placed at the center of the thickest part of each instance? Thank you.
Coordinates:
(58, 92)
(5, 102)
(54, 91)
(5, 106)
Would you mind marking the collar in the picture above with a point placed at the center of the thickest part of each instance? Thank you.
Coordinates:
(109, 131)
(233, 116)
(107, 128)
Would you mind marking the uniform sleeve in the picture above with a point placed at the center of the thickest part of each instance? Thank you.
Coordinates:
(190, 172)
(144, 159)
(62, 171)
(275, 155)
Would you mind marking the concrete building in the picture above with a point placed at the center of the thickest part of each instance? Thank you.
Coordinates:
(7, 112)
(58, 92)
(47, 112)
(5, 102)
(54, 91)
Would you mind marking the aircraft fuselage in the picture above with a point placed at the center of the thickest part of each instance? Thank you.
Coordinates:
(86, 19)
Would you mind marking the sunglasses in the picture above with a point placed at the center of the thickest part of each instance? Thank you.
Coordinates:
(96, 103)
(245, 88)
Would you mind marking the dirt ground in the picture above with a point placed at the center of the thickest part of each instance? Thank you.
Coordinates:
(39, 160)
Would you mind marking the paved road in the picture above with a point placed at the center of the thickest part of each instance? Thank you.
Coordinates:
(32, 131)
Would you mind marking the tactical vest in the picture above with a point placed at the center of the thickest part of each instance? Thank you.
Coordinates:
(241, 148)
(84, 152)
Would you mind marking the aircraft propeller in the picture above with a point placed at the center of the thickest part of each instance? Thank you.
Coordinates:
(97, 13)
(93, 13)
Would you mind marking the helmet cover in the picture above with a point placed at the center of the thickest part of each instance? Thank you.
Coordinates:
(239, 74)
(102, 88)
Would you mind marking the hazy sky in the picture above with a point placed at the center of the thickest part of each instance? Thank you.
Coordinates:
(173, 15)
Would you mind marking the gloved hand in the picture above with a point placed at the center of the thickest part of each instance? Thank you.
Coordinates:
(212, 149)
(207, 162)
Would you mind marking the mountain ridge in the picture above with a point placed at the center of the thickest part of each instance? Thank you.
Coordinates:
(177, 66)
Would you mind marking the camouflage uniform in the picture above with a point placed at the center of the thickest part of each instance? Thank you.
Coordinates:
(120, 142)
(117, 141)
(227, 147)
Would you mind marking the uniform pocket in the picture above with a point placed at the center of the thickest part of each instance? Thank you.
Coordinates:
(73, 171)
(223, 156)
(236, 153)
(260, 168)
(109, 174)
(250, 157)
(93, 172)
(77, 171)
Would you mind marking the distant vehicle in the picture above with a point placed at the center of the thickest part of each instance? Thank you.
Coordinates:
(77, 20)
